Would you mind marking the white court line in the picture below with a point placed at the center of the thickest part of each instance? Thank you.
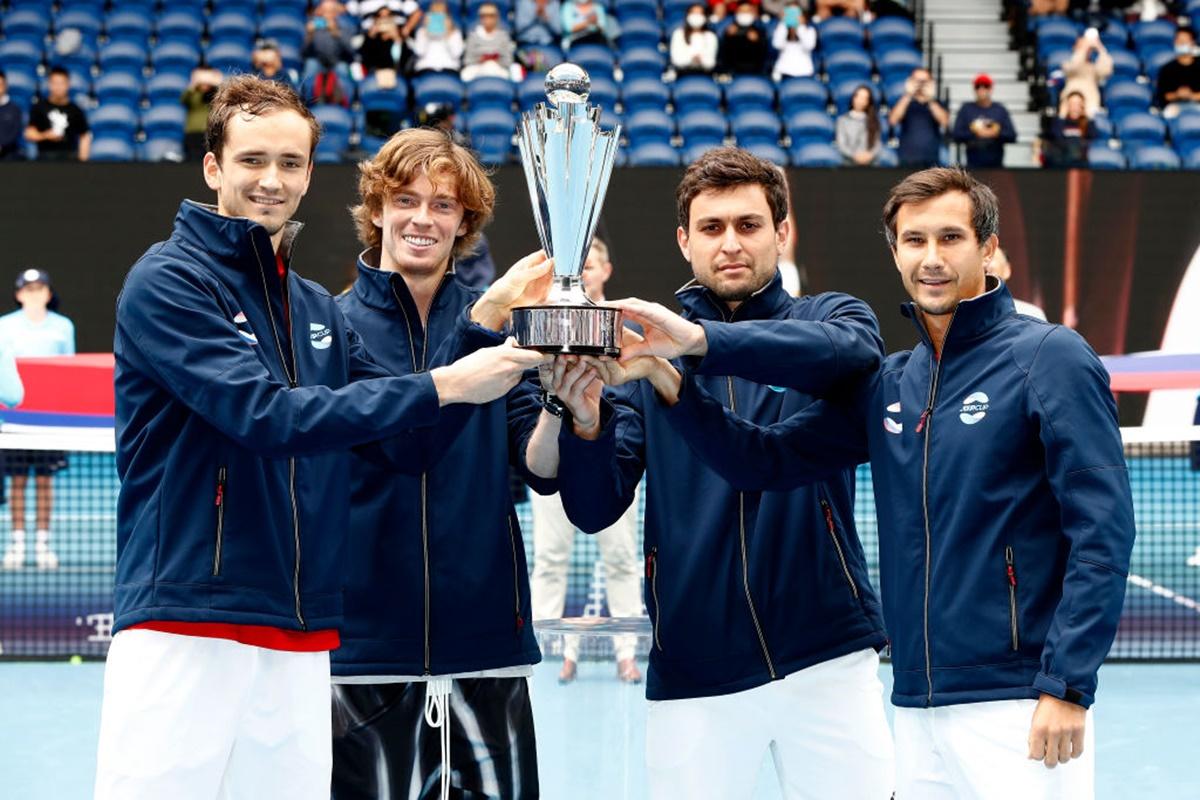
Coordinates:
(1162, 591)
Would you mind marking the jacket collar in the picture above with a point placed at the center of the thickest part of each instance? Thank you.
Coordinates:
(972, 318)
(699, 302)
(235, 241)
(379, 289)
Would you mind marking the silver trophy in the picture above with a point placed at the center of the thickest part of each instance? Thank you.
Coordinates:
(568, 160)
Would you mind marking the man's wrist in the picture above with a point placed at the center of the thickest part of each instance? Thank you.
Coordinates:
(488, 314)
(698, 346)
(666, 381)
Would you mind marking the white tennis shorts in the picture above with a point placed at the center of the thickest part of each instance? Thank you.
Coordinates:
(193, 718)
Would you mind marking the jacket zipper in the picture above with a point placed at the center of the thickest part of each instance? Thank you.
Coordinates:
(838, 546)
(652, 576)
(293, 382)
(924, 424)
(220, 504)
(762, 640)
(512, 538)
(1011, 571)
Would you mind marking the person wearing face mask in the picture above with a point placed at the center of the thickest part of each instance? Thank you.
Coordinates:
(744, 44)
(1179, 80)
(438, 44)
(794, 39)
(693, 45)
(584, 22)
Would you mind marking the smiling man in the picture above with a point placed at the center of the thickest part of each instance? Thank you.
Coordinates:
(240, 389)
(1004, 507)
(765, 623)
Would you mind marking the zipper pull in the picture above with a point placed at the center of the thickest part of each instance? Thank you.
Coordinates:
(924, 416)
(828, 514)
(649, 566)
(520, 622)
(1009, 568)
(220, 488)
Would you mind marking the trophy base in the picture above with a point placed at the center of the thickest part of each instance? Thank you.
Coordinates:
(569, 329)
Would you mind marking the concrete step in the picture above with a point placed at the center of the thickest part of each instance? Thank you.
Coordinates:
(981, 62)
(969, 46)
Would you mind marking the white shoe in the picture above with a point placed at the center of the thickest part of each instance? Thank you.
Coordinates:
(45, 557)
(14, 556)
(1194, 559)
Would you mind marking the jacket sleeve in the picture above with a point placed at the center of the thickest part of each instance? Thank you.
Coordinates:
(1085, 465)
(813, 444)
(523, 409)
(962, 127)
(175, 329)
(1008, 134)
(597, 479)
(814, 356)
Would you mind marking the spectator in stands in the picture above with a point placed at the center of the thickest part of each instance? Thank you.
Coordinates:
(1069, 136)
(1088, 67)
(693, 45)
(745, 46)
(489, 48)
(859, 138)
(438, 43)
(984, 127)
(840, 8)
(326, 38)
(268, 63)
(794, 40)
(538, 22)
(1179, 80)
(58, 126)
(584, 22)
(196, 100)
(720, 11)
(11, 122)
(383, 45)
(921, 119)
(34, 330)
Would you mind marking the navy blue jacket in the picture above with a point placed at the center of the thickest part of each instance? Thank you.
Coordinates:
(742, 587)
(1005, 514)
(437, 581)
(981, 152)
(233, 432)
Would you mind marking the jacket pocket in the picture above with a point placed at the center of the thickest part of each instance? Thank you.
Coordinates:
(652, 577)
(827, 510)
(512, 540)
(1011, 573)
(220, 504)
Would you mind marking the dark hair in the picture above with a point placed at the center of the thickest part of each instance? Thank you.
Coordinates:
(58, 70)
(250, 94)
(872, 114)
(728, 168)
(1188, 30)
(930, 183)
(3, 74)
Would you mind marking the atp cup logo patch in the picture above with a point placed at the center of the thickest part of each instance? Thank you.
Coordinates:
(891, 425)
(247, 335)
(320, 335)
(974, 408)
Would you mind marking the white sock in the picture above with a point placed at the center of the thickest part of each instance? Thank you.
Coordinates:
(42, 537)
(18, 536)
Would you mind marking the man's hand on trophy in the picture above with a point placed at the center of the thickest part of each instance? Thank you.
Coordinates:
(577, 386)
(486, 374)
(526, 283)
(661, 373)
(667, 334)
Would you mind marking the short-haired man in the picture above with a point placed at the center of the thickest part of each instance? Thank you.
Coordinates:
(554, 533)
(239, 390)
(437, 589)
(984, 126)
(57, 126)
(1005, 514)
(1178, 85)
(765, 624)
(921, 119)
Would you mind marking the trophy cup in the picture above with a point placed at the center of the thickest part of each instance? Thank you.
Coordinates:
(568, 161)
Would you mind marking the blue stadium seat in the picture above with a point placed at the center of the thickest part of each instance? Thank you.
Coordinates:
(124, 88)
(123, 57)
(1191, 158)
(815, 154)
(1154, 156)
(336, 126)
(229, 57)
(610, 120)
(180, 25)
(1126, 66)
(283, 27)
(1056, 33)
(1185, 130)
(898, 64)
(1100, 157)
(889, 32)
(797, 94)
(129, 25)
(639, 32)
(693, 92)
(27, 22)
(644, 93)
(649, 125)
(844, 91)
(87, 21)
(1154, 34)
(22, 87)
(175, 57)
(887, 158)
(768, 151)
(162, 149)
(1103, 125)
(702, 126)
(627, 10)
(166, 87)
(604, 93)
(1138, 128)
(653, 154)
(809, 126)
(1154, 59)
(117, 120)
(374, 98)
(848, 64)
(596, 59)
(755, 127)
(81, 59)
(673, 12)
(693, 151)
(1122, 97)
(20, 54)
(542, 57)
(164, 121)
(749, 92)
(1054, 59)
(112, 148)
(642, 62)
(438, 88)
(838, 32)
(490, 93)
(531, 91)
(1114, 35)
(246, 7)
(232, 26)
(491, 131)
